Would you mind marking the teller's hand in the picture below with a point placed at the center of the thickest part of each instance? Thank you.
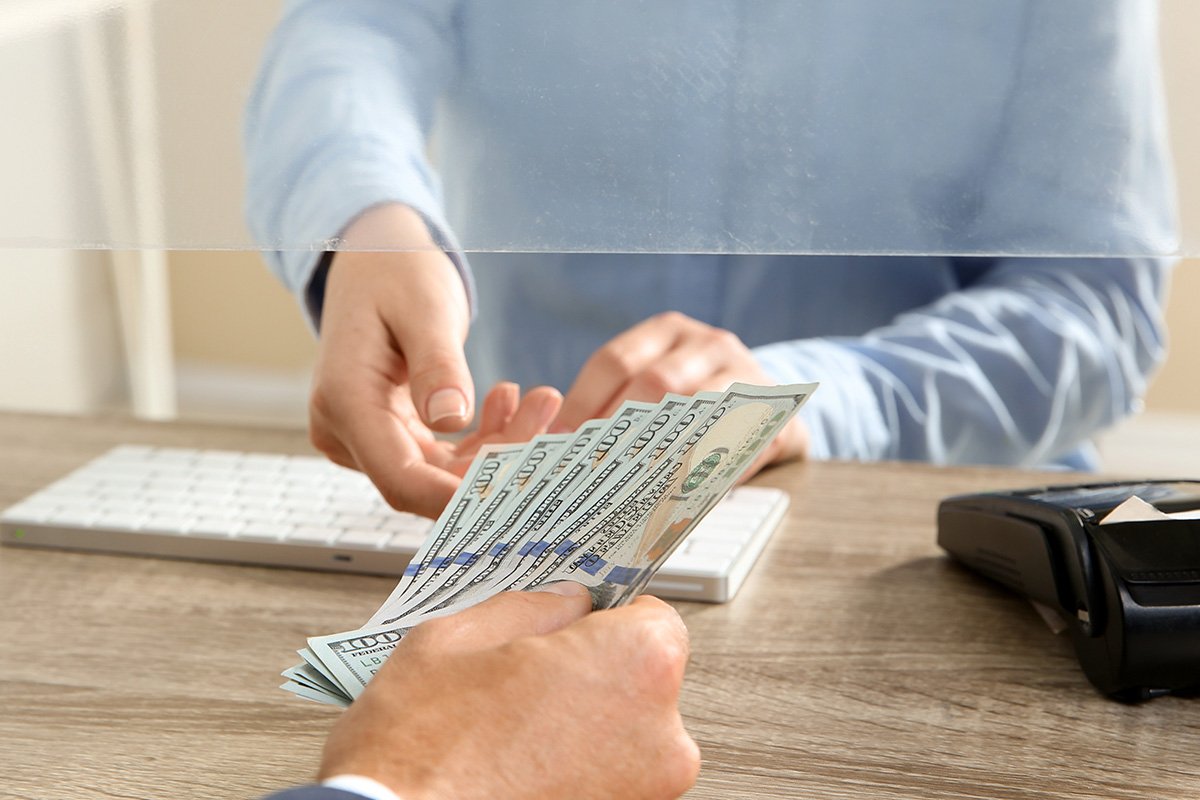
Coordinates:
(391, 370)
(670, 352)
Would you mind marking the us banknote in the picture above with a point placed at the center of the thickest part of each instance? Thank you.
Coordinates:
(604, 507)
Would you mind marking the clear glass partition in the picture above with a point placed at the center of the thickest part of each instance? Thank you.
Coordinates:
(714, 126)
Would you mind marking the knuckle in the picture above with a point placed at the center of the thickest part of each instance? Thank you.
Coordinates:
(680, 765)
(656, 382)
(723, 339)
(664, 658)
(328, 444)
(396, 498)
(612, 361)
(434, 365)
(673, 318)
(433, 633)
(320, 403)
(322, 441)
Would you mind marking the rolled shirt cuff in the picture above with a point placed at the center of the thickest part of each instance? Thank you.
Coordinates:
(361, 785)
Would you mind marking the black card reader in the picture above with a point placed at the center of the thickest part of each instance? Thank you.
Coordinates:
(1130, 590)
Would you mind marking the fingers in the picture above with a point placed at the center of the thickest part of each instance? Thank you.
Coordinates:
(666, 618)
(538, 408)
(663, 633)
(392, 327)
(666, 353)
(532, 416)
(511, 418)
(647, 638)
(612, 366)
(503, 618)
(441, 383)
(498, 408)
(702, 359)
(378, 443)
(438, 377)
(420, 299)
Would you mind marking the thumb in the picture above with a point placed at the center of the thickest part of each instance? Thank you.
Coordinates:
(442, 390)
(513, 615)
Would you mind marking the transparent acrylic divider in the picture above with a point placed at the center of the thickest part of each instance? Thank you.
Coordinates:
(809, 127)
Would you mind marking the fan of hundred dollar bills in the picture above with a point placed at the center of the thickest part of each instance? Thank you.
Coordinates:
(603, 506)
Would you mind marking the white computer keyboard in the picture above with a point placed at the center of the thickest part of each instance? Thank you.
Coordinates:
(298, 511)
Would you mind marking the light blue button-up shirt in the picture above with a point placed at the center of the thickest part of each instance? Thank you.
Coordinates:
(1020, 141)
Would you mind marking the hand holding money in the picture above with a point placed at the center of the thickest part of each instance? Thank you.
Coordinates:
(603, 507)
(587, 706)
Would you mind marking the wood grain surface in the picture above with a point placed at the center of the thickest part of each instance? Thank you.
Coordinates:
(857, 661)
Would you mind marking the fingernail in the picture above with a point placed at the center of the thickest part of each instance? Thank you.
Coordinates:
(562, 588)
(444, 404)
(558, 427)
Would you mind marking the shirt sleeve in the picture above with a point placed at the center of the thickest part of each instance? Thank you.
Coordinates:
(318, 793)
(340, 787)
(337, 123)
(1033, 355)
(1021, 367)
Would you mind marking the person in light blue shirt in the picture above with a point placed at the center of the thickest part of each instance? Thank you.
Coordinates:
(979, 191)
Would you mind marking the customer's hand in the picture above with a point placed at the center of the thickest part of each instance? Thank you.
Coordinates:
(670, 352)
(391, 371)
(527, 696)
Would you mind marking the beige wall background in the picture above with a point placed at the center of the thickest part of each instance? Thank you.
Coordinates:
(1177, 386)
(233, 321)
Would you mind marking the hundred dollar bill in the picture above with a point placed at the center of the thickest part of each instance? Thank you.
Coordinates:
(487, 473)
(560, 536)
(352, 658)
(612, 540)
(582, 461)
(308, 693)
(623, 548)
(621, 450)
(299, 676)
(306, 674)
(541, 497)
(478, 531)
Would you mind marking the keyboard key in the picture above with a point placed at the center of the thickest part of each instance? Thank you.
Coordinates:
(260, 488)
(264, 531)
(405, 542)
(119, 521)
(168, 523)
(306, 518)
(313, 535)
(360, 521)
(171, 483)
(216, 510)
(688, 565)
(718, 548)
(27, 512)
(340, 504)
(262, 463)
(259, 515)
(218, 458)
(173, 455)
(215, 526)
(70, 517)
(128, 452)
(360, 538)
(717, 533)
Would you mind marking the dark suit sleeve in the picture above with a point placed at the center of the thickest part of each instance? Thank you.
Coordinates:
(314, 793)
